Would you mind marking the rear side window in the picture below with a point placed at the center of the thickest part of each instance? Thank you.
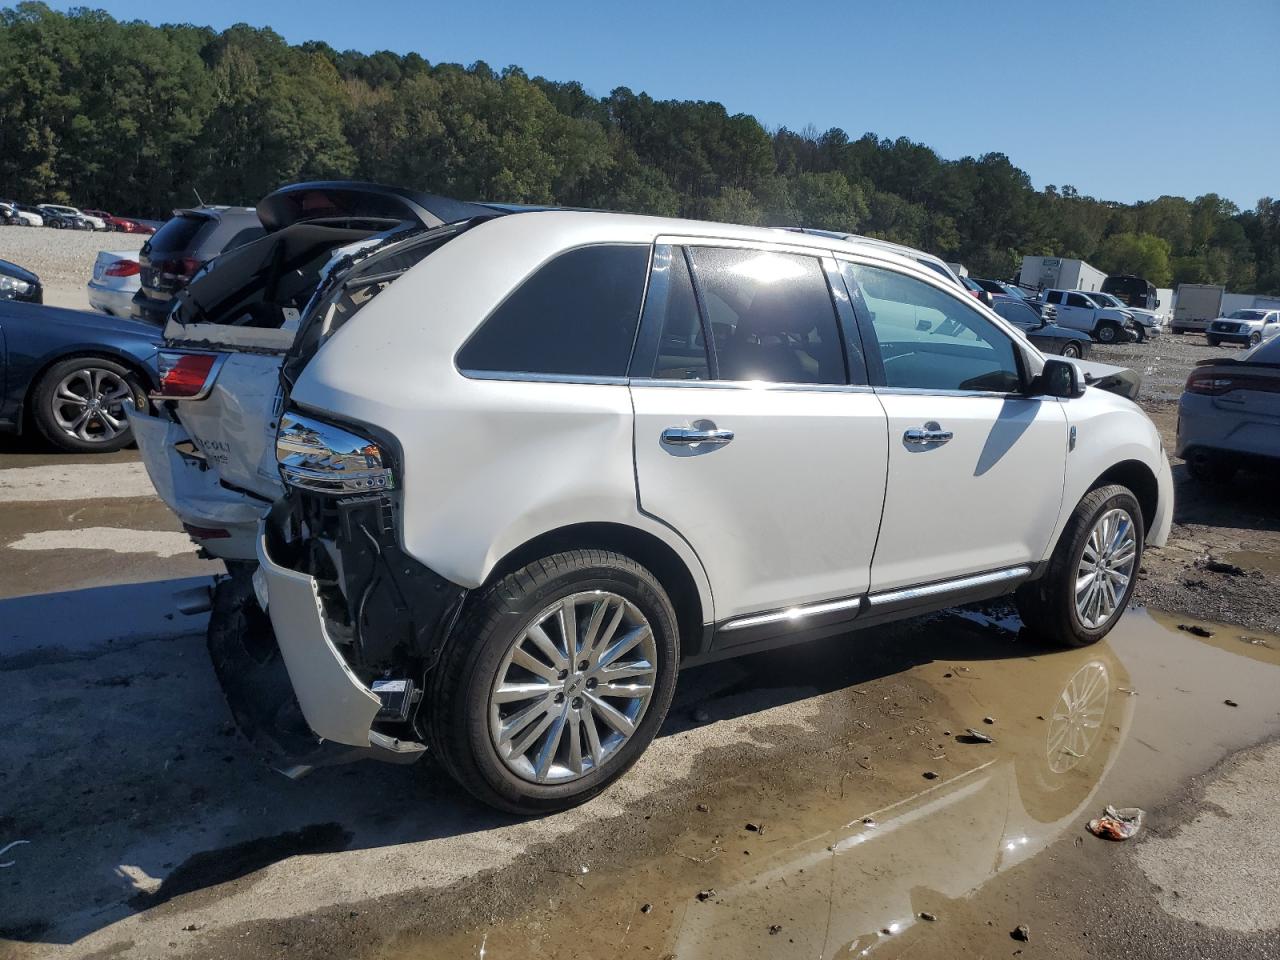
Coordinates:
(576, 316)
(682, 348)
(178, 232)
(770, 314)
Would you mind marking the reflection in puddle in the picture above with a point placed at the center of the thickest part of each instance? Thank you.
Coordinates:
(851, 851)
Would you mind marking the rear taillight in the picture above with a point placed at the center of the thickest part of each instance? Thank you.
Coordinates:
(178, 269)
(187, 376)
(1214, 384)
(122, 268)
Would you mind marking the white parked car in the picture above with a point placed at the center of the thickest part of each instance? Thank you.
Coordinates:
(114, 282)
(517, 471)
(1076, 310)
(1248, 327)
(17, 215)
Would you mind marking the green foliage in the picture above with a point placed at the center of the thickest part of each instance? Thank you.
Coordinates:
(135, 118)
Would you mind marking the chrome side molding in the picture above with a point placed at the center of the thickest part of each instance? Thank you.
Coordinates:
(792, 613)
(958, 585)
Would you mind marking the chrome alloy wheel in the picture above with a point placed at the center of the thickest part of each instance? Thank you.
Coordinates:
(88, 404)
(573, 687)
(1076, 720)
(1106, 567)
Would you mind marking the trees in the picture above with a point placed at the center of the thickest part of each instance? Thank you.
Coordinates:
(134, 118)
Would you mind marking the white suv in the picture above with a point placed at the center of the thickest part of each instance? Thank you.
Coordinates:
(531, 465)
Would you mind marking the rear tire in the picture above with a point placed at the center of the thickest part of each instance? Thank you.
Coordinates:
(1211, 468)
(1072, 350)
(1051, 606)
(474, 693)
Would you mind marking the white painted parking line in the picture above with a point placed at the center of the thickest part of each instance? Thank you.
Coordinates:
(75, 481)
(163, 543)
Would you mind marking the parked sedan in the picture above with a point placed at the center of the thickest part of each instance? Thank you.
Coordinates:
(72, 374)
(63, 218)
(1229, 414)
(91, 222)
(114, 282)
(1046, 335)
(120, 224)
(18, 283)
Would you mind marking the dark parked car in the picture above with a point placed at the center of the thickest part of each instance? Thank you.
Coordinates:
(20, 284)
(1000, 288)
(60, 219)
(182, 246)
(70, 374)
(1040, 330)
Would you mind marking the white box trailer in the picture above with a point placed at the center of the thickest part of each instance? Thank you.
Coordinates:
(1196, 305)
(1059, 273)
(1231, 302)
(1164, 303)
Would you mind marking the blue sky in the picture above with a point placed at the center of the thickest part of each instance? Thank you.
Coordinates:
(1124, 100)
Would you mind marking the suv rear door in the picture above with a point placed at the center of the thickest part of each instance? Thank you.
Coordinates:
(755, 437)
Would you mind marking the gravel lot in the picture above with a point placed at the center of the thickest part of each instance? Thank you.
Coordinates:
(62, 259)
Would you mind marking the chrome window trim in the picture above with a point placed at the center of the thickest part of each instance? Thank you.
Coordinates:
(955, 585)
(930, 392)
(521, 377)
(792, 613)
(756, 385)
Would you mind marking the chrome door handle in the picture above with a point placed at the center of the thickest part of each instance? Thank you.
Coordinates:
(930, 433)
(685, 436)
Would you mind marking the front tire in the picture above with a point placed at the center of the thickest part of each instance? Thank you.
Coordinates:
(1212, 341)
(556, 681)
(1092, 573)
(1255, 339)
(1108, 332)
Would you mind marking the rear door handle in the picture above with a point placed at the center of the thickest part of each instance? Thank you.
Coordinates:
(930, 433)
(686, 436)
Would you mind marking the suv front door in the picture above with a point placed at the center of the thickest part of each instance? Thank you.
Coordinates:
(752, 438)
(976, 467)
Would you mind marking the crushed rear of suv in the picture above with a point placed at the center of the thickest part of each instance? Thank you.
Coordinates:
(519, 469)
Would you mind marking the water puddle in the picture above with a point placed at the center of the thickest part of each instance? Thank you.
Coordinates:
(867, 844)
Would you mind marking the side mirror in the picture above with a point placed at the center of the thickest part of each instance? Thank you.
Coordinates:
(1059, 378)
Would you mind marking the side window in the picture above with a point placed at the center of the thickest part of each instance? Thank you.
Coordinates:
(1054, 296)
(682, 349)
(931, 340)
(770, 315)
(1017, 313)
(1077, 300)
(575, 316)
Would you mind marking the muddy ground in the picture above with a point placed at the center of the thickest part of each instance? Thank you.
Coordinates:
(786, 808)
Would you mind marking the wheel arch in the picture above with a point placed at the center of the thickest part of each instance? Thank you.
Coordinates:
(684, 588)
(1138, 478)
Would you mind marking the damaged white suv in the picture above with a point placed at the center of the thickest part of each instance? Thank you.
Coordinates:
(517, 470)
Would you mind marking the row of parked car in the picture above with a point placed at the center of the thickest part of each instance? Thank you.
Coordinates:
(62, 217)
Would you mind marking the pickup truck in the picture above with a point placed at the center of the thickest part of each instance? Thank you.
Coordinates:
(1076, 311)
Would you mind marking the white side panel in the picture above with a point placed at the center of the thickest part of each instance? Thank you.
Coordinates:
(988, 498)
(785, 513)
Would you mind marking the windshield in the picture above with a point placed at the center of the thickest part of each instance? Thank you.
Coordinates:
(1247, 315)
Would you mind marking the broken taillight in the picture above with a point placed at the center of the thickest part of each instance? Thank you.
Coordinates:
(187, 376)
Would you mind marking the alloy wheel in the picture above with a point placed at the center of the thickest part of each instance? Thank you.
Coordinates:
(1071, 350)
(89, 404)
(573, 687)
(1076, 720)
(1106, 567)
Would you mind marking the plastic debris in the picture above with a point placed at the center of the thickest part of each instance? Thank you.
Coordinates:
(705, 895)
(9, 846)
(1231, 703)
(775, 929)
(1119, 824)
(926, 915)
(988, 719)
(646, 907)
(929, 775)
(1195, 629)
(1021, 933)
(973, 736)
(869, 821)
(1127, 691)
(702, 808)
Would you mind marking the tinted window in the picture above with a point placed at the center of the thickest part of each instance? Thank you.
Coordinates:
(1077, 300)
(247, 235)
(1054, 296)
(1017, 313)
(770, 315)
(682, 349)
(178, 233)
(575, 316)
(932, 340)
